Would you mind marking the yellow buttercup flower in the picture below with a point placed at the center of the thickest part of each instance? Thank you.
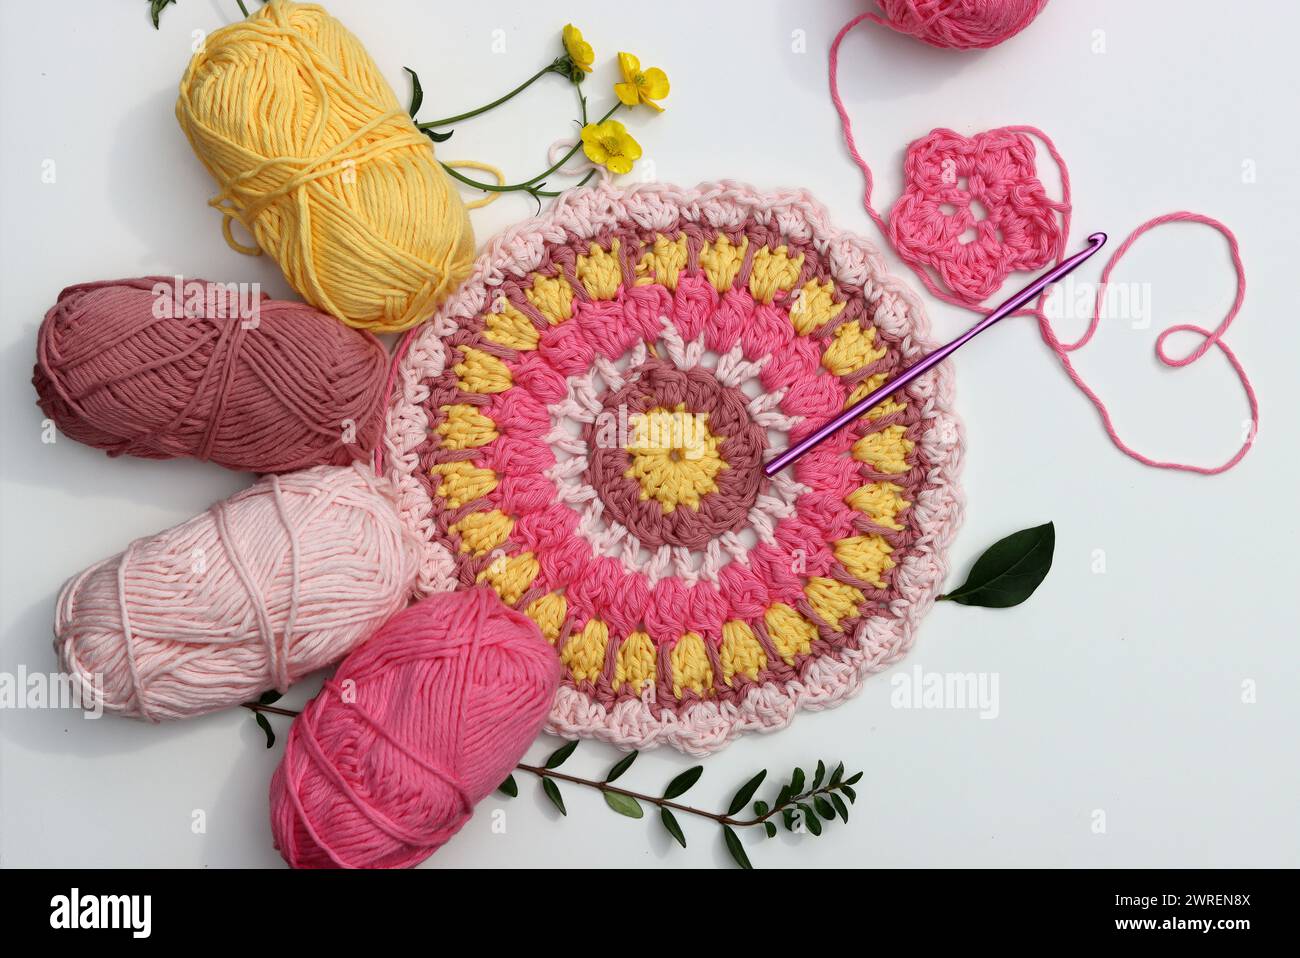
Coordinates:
(640, 86)
(610, 145)
(578, 49)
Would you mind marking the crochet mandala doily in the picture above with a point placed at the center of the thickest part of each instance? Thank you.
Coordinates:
(583, 426)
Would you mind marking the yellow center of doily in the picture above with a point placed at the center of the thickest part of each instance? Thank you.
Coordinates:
(673, 455)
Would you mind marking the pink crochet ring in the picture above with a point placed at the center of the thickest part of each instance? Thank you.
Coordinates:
(583, 427)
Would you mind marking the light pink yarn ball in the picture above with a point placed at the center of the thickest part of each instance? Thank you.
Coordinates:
(418, 725)
(959, 24)
(275, 582)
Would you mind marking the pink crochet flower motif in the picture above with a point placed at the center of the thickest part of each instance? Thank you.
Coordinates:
(987, 182)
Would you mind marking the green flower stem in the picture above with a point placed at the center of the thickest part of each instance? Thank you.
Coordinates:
(273, 709)
(556, 66)
(242, 8)
(543, 772)
(529, 185)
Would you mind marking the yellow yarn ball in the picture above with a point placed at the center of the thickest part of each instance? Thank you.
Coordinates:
(318, 160)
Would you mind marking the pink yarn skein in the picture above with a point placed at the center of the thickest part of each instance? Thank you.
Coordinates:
(275, 582)
(958, 24)
(159, 368)
(418, 725)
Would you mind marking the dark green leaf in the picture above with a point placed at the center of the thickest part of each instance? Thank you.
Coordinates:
(561, 754)
(156, 9)
(819, 774)
(678, 786)
(670, 823)
(837, 774)
(436, 136)
(824, 808)
(848, 790)
(509, 787)
(623, 804)
(770, 829)
(623, 765)
(417, 92)
(760, 808)
(735, 847)
(742, 797)
(853, 779)
(787, 819)
(840, 807)
(553, 793)
(796, 782)
(810, 820)
(782, 796)
(269, 697)
(266, 727)
(1009, 570)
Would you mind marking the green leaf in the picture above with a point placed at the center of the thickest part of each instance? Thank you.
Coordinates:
(810, 820)
(1009, 570)
(678, 786)
(436, 136)
(623, 804)
(417, 93)
(553, 793)
(848, 790)
(561, 754)
(269, 697)
(837, 775)
(840, 807)
(735, 847)
(853, 779)
(670, 823)
(787, 819)
(509, 787)
(156, 9)
(623, 765)
(746, 792)
(770, 829)
(760, 808)
(796, 782)
(824, 808)
(819, 774)
(266, 727)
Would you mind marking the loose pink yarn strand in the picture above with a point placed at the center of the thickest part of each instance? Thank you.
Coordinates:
(1209, 337)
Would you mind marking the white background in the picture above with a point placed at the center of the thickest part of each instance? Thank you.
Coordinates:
(1120, 692)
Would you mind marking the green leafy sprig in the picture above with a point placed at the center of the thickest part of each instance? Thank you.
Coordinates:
(804, 804)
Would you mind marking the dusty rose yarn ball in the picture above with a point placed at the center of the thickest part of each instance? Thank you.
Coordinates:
(158, 367)
(279, 580)
(418, 725)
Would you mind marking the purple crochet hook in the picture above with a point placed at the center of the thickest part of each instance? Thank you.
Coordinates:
(921, 367)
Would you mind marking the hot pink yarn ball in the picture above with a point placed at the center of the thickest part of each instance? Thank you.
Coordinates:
(418, 725)
(280, 580)
(160, 367)
(959, 24)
